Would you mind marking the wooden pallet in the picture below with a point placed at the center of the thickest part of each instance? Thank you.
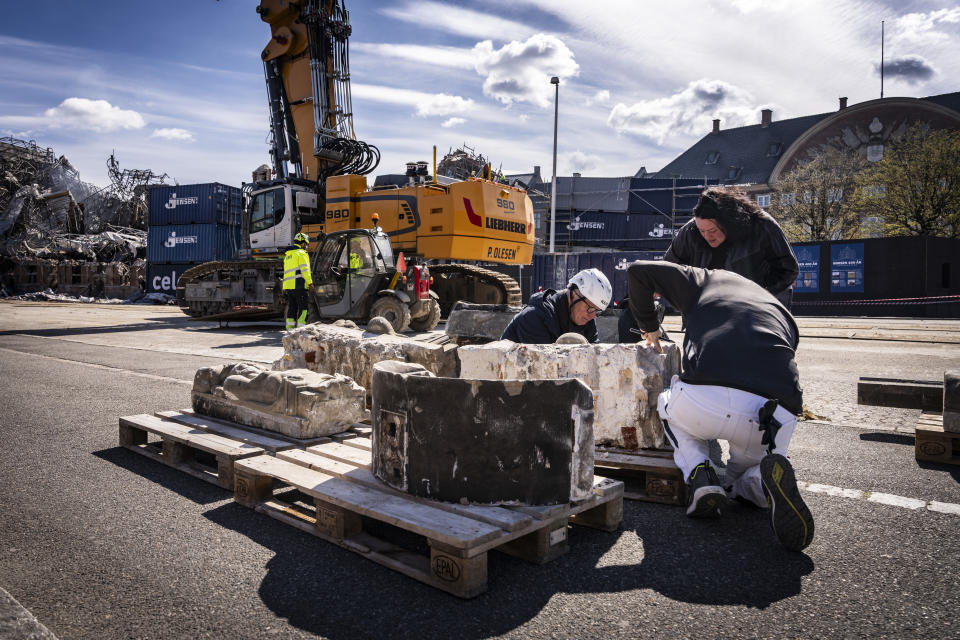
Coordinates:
(336, 478)
(648, 474)
(933, 444)
(206, 447)
(200, 453)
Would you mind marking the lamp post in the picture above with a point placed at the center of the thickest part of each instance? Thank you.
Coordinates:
(555, 81)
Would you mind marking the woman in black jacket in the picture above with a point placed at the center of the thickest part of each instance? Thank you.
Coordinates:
(730, 231)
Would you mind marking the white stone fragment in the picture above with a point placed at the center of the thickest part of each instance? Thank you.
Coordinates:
(351, 352)
(626, 380)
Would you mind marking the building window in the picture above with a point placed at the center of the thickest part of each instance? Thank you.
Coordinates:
(733, 173)
(773, 149)
(712, 157)
(788, 199)
(834, 195)
(763, 200)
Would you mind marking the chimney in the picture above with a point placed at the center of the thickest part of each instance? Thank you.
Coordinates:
(766, 116)
(716, 125)
(843, 103)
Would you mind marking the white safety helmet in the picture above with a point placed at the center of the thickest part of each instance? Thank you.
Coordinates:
(594, 286)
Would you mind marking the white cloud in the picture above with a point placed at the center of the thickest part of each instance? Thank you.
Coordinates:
(925, 29)
(521, 71)
(688, 112)
(442, 104)
(464, 22)
(452, 122)
(96, 115)
(600, 97)
(454, 57)
(751, 6)
(426, 104)
(173, 134)
(581, 162)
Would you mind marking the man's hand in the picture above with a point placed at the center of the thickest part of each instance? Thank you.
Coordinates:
(652, 339)
(312, 288)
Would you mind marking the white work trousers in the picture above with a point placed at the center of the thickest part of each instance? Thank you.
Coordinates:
(696, 413)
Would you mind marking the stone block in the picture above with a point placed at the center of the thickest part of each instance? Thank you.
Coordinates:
(626, 380)
(951, 401)
(352, 352)
(297, 402)
(482, 441)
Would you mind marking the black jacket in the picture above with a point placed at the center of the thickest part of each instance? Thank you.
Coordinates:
(545, 318)
(737, 334)
(759, 252)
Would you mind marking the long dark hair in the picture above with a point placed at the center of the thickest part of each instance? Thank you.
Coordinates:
(731, 208)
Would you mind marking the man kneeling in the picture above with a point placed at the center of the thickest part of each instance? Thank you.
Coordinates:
(739, 383)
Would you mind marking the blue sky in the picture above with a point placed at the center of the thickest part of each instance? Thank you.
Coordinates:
(177, 86)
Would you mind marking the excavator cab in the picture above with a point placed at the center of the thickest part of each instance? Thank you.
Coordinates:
(355, 276)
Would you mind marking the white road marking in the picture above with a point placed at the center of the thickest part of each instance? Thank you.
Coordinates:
(882, 498)
(944, 507)
(101, 366)
(832, 491)
(897, 501)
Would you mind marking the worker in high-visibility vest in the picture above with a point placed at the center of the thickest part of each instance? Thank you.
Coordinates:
(358, 256)
(297, 280)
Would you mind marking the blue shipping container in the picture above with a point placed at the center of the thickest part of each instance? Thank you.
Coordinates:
(623, 231)
(192, 243)
(207, 203)
(162, 278)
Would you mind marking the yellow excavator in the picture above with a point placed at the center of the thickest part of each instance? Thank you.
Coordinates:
(318, 185)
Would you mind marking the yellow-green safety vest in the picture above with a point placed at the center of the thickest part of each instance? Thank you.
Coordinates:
(296, 264)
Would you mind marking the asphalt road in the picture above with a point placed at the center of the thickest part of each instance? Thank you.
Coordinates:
(98, 542)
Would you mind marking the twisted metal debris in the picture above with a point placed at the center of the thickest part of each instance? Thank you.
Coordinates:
(58, 232)
(47, 211)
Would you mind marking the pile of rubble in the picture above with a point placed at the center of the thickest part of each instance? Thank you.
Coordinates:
(60, 233)
(464, 163)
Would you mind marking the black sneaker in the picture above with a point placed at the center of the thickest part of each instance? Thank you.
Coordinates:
(705, 496)
(789, 515)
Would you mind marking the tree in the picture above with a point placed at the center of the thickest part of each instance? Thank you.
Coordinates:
(915, 188)
(814, 201)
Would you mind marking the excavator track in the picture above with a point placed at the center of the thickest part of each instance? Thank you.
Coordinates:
(471, 283)
(214, 310)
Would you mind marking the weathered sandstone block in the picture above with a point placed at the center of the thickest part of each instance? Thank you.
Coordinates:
(297, 402)
(331, 349)
(482, 441)
(626, 380)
